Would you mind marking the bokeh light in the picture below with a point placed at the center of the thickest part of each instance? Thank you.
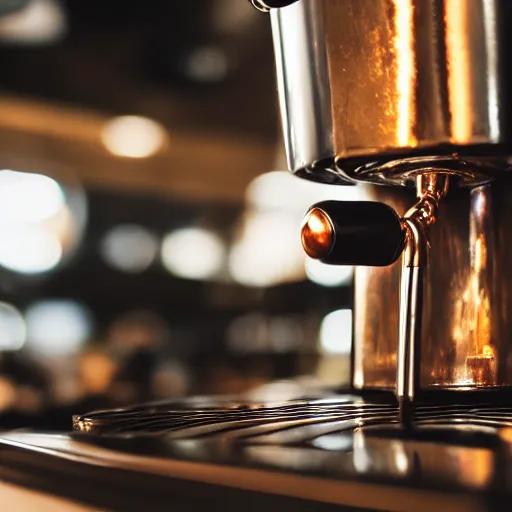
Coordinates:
(39, 223)
(57, 327)
(13, 331)
(27, 197)
(40, 22)
(281, 190)
(193, 253)
(206, 64)
(268, 251)
(328, 275)
(336, 332)
(130, 248)
(133, 136)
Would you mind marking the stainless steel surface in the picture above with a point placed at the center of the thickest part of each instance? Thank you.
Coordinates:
(456, 459)
(379, 90)
(386, 84)
(409, 333)
(467, 297)
(302, 73)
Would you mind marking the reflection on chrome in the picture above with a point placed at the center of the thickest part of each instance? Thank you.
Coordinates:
(491, 47)
(476, 359)
(400, 455)
(336, 442)
(361, 458)
(459, 69)
(405, 72)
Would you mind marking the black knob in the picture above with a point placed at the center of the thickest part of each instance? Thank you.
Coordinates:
(353, 233)
(266, 5)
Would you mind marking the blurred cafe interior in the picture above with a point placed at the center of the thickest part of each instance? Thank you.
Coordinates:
(149, 230)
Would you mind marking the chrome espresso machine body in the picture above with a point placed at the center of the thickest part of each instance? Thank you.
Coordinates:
(412, 100)
(399, 93)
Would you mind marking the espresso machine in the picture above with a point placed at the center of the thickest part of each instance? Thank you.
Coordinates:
(410, 99)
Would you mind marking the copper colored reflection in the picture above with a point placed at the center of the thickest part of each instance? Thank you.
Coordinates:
(317, 234)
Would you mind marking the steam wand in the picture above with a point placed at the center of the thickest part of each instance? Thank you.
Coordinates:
(372, 234)
(431, 188)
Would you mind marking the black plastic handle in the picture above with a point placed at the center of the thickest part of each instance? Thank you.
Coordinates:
(353, 233)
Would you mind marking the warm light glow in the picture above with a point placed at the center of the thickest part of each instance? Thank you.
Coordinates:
(40, 22)
(328, 275)
(336, 332)
(268, 251)
(400, 456)
(406, 71)
(57, 327)
(13, 331)
(487, 352)
(493, 89)
(315, 224)
(480, 254)
(133, 136)
(130, 248)
(193, 253)
(459, 70)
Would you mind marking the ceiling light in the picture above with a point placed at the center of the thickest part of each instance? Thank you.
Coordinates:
(133, 136)
(193, 253)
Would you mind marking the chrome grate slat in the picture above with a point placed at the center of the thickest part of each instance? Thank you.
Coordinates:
(282, 424)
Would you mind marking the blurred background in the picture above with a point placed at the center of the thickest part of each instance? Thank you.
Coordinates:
(149, 233)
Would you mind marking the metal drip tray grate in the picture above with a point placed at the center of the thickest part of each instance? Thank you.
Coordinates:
(289, 423)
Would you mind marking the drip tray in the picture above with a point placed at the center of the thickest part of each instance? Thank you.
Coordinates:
(344, 451)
